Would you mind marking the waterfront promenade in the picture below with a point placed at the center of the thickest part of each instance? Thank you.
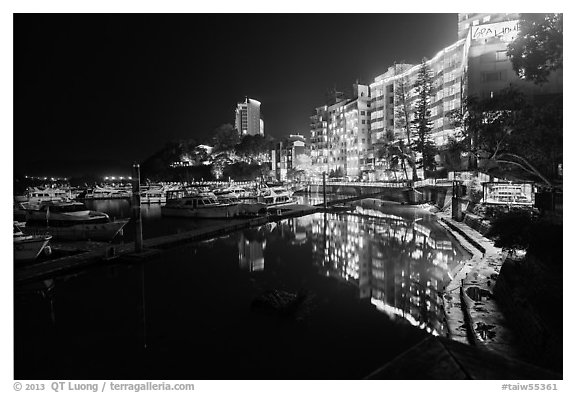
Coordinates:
(473, 315)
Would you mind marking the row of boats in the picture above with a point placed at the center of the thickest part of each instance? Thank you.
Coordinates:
(152, 194)
(51, 214)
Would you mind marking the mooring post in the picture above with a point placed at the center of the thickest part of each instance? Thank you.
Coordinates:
(136, 213)
(324, 188)
(456, 208)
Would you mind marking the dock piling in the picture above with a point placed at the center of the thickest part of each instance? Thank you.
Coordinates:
(324, 188)
(136, 213)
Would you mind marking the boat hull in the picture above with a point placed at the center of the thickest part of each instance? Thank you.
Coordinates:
(29, 249)
(275, 205)
(153, 199)
(228, 211)
(87, 231)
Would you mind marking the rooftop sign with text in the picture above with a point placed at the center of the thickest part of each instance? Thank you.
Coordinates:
(506, 31)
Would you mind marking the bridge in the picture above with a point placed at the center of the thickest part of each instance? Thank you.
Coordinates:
(412, 192)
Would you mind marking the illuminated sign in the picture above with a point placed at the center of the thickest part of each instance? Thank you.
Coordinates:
(509, 193)
(506, 31)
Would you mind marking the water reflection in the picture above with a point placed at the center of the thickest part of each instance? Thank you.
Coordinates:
(251, 246)
(400, 262)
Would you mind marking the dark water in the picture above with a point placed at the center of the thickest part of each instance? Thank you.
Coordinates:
(371, 281)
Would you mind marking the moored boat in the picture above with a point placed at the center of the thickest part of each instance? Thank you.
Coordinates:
(72, 221)
(35, 195)
(233, 192)
(105, 193)
(28, 247)
(275, 197)
(153, 195)
(202, 205)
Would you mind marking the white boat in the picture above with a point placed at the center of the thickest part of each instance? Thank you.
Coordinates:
(202, 205)
(72, 221)
(28, 247)
(276, 196)
(153, 195)
(105, 193)
(35, 195)
(233, 192)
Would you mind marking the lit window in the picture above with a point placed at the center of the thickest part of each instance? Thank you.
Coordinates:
(475, 22)
(501, 55)
(486, 19)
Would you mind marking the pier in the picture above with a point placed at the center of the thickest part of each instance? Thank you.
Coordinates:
(86, 254)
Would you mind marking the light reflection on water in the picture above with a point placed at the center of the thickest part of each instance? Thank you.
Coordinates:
(399, 257)
(400, 262)
(138, 321)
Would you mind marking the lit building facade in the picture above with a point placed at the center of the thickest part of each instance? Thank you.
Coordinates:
(248, 121)
(476, 64)
(489, 68)
(340, 134)
(286, 155)
(447, 69)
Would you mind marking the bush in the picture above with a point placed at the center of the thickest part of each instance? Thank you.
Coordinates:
(521, 230)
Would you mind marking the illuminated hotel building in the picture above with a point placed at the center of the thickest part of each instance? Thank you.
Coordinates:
(340, 133)
(489, 68)
(285, 155)
(476, 64)
(248, 121)
(447, 69)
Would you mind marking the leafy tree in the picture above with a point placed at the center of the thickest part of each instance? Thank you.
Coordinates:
(197, 156)
(452, 154)
(157, 166)
(219, 162)
(225, 138)
(253, 146)
(243, 171)
(304, 168)
(537, 50)
(336, 173)
(506, 131)
(421, 125)
(393, 156)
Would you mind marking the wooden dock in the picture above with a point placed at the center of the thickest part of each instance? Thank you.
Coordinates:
(91, 253)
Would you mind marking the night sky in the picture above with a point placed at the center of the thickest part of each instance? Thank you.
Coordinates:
(95, 92)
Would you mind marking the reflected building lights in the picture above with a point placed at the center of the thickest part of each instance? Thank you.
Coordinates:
(251, 253)
(400, 264)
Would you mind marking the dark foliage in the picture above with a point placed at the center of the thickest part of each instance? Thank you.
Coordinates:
(508, 132)
(225, 137)
(252, 145)
(242, 171)
(336, 173)
(538, 48)
(540, 236)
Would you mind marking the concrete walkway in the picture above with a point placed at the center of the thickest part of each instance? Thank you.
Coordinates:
(440, 358)
(472, 312)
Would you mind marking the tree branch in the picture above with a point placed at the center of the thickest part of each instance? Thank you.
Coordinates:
(534, 170)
